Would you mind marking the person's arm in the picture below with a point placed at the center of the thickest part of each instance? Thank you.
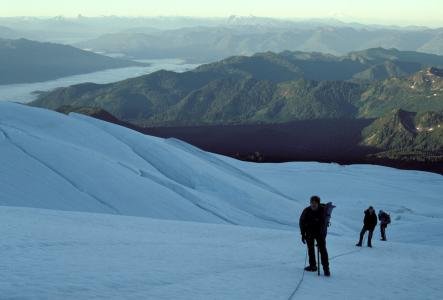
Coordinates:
(374, 220)
(301, 222)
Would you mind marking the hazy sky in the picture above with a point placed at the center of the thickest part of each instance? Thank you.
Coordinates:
(399, 12)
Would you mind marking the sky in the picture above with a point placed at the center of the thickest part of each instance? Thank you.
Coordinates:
(386, 12)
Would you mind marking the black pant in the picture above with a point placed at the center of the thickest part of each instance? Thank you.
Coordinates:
(321, 242)
(383, 231)
(362, 234)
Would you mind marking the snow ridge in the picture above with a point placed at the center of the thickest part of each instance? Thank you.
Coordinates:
(167, 179)
(104, 203)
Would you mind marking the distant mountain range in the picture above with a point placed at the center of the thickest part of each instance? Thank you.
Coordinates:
(268, 88)
(305, 32)
(6, 32)
(398, 93)
(242, 38)
(25, 61)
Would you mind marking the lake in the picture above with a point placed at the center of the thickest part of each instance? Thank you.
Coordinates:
(25, 92)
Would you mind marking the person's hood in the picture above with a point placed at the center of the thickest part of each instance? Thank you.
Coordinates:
(367, 212)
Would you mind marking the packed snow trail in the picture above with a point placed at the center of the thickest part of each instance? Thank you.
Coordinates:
(91, 210)
(49, 254)
(297, 287)
(331, 258)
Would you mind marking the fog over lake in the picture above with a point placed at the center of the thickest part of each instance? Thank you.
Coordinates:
(25, 92)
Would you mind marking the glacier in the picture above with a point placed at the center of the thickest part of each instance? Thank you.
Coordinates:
(92, 210)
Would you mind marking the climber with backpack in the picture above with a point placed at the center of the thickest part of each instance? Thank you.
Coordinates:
(369, 224)
(384, 219)
(314, 221)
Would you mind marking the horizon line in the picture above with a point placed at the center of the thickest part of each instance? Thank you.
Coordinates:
(279, 18)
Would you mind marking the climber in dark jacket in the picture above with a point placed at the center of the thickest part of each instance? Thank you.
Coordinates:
(369, 224)
(385, 220)
(313, 228)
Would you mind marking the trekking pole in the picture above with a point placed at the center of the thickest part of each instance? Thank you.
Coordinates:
(318, 260)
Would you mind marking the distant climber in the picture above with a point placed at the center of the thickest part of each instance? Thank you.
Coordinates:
(384, 219)
(313, 227)
(369, 224)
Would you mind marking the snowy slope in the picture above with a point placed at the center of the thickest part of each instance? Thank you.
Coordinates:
(137, 217)
(414, 198)
(63, 255)
(82, 164)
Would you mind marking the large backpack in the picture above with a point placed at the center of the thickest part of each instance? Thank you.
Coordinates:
(384, 216)
(327, 211)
